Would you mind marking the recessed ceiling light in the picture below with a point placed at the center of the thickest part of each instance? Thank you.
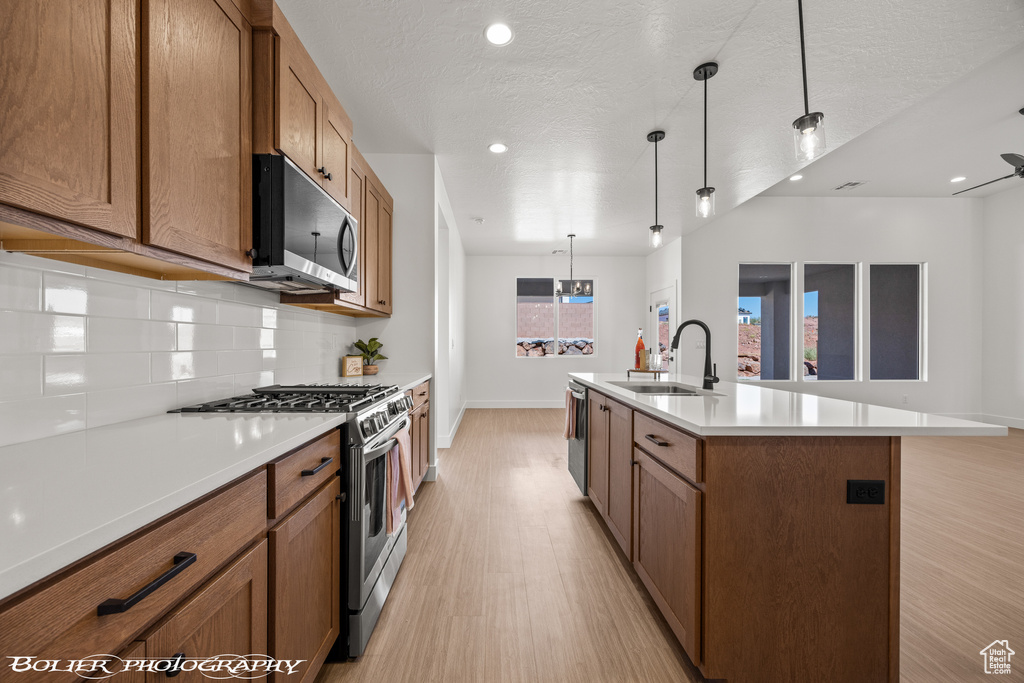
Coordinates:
(499, 34)
(498, 148)
(795, 177)
(958, 179)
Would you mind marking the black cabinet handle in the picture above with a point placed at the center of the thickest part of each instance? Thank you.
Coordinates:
(174, 665)
(252, 253)
(324, 462)
(634, 462)
(656, 441)
(117, 605)
(323, 171)
(341, 496)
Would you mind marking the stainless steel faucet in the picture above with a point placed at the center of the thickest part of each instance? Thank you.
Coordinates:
(710, 370)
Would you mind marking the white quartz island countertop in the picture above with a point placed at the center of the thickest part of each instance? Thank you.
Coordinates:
(747, 409)
(66, 496)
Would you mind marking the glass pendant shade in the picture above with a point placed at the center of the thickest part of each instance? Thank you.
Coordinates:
(656, 239)
(809, 136)
(705, 202)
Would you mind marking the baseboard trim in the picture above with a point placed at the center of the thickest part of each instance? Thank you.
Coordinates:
(528, 403)
(1014, 422)
(447, 441)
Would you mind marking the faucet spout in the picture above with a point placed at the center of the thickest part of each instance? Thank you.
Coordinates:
(709, 369)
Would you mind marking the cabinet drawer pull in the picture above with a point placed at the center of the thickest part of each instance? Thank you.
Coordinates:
(117, 605)
(341, 496)
(323, 171)
(423, 393)
(324, 462)
(173, 665)
(656, 441)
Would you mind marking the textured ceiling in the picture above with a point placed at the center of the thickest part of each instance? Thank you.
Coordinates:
(959, 131)
(575, 93)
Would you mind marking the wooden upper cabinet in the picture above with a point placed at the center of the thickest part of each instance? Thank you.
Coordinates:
(68, 111)
(372, 202)
(295, 112)
(300, 110)
(197, 118)
(337, 138)
(384, 258)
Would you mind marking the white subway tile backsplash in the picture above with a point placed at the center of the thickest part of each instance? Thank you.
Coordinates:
(184, 365)
(124, 334)
(205, 389)
(40, 333)
(110, 406)
(36, 418)
(21, 377)
(83, 347)
(241, 315)
(182, 308)
(237, 362)
(75, 373)
(205, 337)
(20, 289)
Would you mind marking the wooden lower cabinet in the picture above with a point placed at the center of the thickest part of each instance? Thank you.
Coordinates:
(419, 437)
(667, 547)
(610, 457)
(305, 583)
(228, 615)
(597, 452)
(135, 651)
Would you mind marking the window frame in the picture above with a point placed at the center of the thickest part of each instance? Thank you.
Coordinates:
(860, 329)
(557, 320)
(922, 320)
(794, 272)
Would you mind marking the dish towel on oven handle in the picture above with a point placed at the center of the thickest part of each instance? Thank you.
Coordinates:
(399, 478)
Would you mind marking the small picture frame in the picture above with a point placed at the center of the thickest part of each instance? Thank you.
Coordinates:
(352, 366)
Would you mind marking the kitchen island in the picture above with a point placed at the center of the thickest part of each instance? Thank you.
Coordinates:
(764, 523)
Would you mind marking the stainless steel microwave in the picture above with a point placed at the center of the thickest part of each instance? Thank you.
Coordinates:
(303, 239)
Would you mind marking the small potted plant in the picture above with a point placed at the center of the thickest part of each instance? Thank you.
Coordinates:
(369, 351)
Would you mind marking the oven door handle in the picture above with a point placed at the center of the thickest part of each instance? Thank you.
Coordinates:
(385, 437)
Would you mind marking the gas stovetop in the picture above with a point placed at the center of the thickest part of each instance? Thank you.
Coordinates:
(299, 398)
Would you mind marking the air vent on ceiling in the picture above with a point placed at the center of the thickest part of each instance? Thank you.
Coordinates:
(850, 185)
(559, 251)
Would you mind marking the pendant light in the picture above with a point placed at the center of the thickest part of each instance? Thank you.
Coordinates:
(576, 287)
(705, 195)
(656, 136)
(809, 129)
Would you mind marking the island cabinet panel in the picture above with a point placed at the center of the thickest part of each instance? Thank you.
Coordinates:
(197, 123)
(64, 620)
(620, 474)
(667, 548)
(597, 448)
(800, 584)
(68, 113)
(305, 582)
(226, 616)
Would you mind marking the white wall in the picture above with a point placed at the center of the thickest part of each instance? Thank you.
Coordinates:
(944, 233)
(82, 347)
(664, 266)
(408, 333)
(495, 377)
(1003, 372)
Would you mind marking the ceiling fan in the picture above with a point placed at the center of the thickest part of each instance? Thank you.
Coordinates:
(1015, 160)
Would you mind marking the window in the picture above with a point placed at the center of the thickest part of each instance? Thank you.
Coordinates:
(895, 318)
(539, 322)
(535, 317)
(830, 321)
(576, 319)
(765, 302)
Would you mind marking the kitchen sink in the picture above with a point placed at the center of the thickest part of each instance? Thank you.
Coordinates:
(657, 388)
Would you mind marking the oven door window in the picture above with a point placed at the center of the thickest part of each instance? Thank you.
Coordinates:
(374, 512)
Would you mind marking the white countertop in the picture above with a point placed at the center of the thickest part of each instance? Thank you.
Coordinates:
(64, 497)
(747, 409)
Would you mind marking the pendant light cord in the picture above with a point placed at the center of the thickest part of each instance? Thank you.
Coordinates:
(656, 183)
(803, 57)
(705, 132)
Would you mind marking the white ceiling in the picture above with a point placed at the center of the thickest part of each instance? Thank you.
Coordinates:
(584, 81)
(959, 131)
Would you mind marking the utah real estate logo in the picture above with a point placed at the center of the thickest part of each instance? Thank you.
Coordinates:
(997, 657)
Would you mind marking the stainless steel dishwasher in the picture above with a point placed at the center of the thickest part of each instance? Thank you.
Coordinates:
(578, 445)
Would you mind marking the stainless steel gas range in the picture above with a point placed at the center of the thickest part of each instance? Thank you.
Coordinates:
(377, 414)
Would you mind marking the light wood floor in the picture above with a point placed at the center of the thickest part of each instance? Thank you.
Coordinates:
(510, 575)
